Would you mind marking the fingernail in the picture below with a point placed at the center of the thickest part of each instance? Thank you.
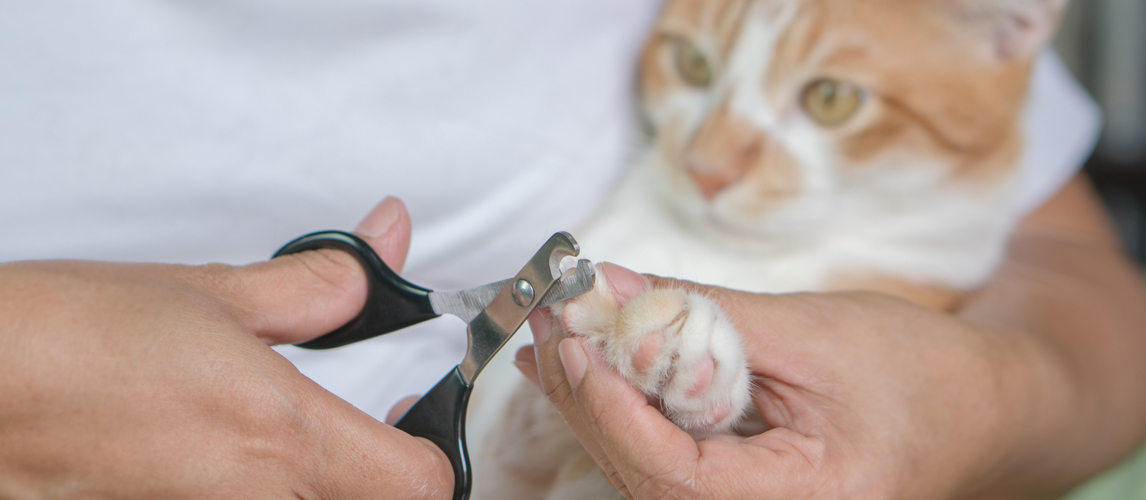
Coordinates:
(541, 327)
(381, 219)
(626, 284)
(574, 360)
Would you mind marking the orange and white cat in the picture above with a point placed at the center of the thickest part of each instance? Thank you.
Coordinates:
(795, 145)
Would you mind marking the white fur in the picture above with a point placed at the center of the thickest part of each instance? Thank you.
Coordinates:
(896, 217)
(689, 330)
(944, 237)
(903, 217)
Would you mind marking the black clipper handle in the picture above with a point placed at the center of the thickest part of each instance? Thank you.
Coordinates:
(440, 416)
(392, 303)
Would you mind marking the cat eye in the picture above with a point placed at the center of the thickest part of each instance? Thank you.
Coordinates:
(831, 102)
(691, 64)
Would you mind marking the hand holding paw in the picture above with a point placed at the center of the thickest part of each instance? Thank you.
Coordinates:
(854, 389)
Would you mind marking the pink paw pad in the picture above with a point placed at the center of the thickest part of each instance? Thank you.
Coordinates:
(647, 352)
(704, 373)
(718, 414)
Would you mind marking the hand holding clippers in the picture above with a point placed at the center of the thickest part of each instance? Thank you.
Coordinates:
(494, 312)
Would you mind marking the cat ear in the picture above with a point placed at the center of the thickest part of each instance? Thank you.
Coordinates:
(1016, 28)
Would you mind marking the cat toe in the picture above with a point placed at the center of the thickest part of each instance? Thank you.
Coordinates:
(703, 377)
(648, 351)
(677, 348)
(708, 386)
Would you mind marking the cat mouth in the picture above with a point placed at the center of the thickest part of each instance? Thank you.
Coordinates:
(764, 203)
(713, 220)
(761, 197)
(760, 222)
(733, 228)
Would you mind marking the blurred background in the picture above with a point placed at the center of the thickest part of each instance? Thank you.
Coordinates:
(1104, 44)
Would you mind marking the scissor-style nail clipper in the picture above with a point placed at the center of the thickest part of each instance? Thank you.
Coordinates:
(493, 311)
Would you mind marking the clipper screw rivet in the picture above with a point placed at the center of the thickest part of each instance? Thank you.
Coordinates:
(523, 293)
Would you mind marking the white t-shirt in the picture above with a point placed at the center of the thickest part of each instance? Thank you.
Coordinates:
(216, 131)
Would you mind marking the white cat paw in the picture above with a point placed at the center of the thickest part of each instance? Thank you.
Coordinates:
(676, 347)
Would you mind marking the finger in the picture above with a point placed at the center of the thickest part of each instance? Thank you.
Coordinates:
(526, 362)
(622, 284)
(387, 229)
(362, 458)
(723, 296)
(616, 424)
(547, 335)
(298, 297)
(653, 458)
(625, 457)
(623, 423)
(399, 410)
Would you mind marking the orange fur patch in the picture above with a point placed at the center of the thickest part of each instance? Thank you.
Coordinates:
(932, 93)
(932, 297)
(934, 96)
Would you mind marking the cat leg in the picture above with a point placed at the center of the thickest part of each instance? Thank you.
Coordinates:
(934, 297)
(525, 451)
(677, 347)
(580, 479)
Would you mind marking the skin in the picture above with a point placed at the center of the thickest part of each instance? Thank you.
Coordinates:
(1029, 388)
(1032, 386)
(157, 381)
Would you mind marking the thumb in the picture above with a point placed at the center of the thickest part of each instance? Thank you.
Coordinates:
(387, 229)
(560, 365)
(620, 421)
(298, 297)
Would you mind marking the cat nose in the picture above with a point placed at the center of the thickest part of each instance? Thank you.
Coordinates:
(712, 181)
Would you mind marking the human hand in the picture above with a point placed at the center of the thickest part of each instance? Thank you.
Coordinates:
(866, 396)
(157, 381)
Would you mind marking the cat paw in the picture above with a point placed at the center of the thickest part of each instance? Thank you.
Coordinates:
(677, 347)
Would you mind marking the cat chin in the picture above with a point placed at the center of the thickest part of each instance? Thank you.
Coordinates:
(719, 222)
(751, 237)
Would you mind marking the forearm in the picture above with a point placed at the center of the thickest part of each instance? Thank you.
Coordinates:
(1068, 293)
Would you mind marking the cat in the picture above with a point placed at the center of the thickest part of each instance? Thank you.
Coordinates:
(794, 145)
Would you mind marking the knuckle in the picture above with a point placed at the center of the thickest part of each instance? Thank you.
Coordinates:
(217, 278)
(437, 474)
(302, 285)
(219, 281)
(561, 395)
(667, 485)
(268, 427)
(271, 409)
(594, 415)
(673, 479)
(334, 269)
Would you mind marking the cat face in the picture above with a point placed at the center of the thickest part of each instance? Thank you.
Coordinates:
(774, 116)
